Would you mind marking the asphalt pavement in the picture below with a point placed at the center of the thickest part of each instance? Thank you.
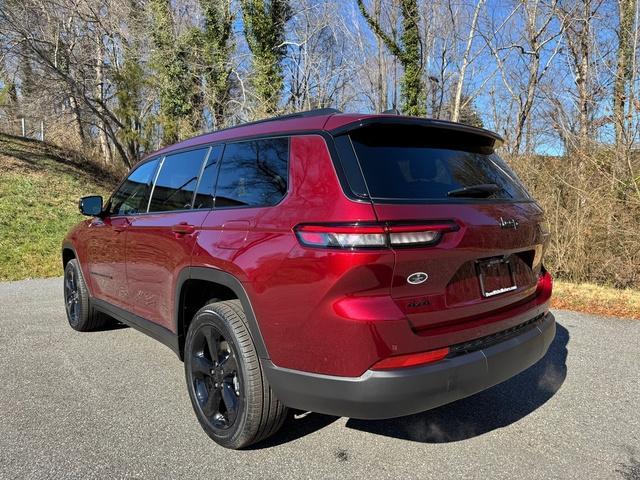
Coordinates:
(113, 404)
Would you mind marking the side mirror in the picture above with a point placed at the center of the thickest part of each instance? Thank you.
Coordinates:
(90, 206)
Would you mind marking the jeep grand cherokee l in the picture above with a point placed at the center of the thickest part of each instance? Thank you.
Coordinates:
(369, 266)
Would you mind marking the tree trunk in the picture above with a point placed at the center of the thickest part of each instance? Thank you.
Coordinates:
(77, 119)
(408, 53)
(525, 108)
(102, 134)
(381, 80)
(455, 114)
(626, 10)
(583, 81)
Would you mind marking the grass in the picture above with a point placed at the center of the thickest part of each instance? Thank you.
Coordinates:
(39, 189)
(596, 299)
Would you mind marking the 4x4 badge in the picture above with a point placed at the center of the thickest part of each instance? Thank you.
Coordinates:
(416, 278)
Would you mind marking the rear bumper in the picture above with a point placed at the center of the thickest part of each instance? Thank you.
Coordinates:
(387, 394)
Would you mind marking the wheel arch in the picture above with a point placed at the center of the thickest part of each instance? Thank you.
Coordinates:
(68, 253)
(218, 284)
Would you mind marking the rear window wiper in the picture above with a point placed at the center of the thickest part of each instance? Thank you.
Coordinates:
(482, 190)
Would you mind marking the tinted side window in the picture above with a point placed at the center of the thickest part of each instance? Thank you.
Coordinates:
(177, 181)
(207, 185)
(253, 173)
(133, 194)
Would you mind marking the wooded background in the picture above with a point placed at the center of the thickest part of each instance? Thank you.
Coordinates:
(558, 79)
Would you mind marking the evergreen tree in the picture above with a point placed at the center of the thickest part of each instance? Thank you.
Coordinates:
(217, 46)
(470, 116)
(178, 87)
(407, 52)
(129, 81)
(264, 29)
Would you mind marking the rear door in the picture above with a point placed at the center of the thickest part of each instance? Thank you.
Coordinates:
(160, 242)
(490, 259)
(253, 176)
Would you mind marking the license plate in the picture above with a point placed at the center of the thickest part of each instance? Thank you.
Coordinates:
(496, 276)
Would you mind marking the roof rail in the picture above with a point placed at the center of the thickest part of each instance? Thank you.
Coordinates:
(308, 113)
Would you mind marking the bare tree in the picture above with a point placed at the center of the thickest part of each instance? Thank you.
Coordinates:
(521, 76)
(316, 68)
(578, 18)
(457, 101)
(627, 39)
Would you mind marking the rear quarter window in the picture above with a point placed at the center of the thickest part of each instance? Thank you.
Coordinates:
(253, 173)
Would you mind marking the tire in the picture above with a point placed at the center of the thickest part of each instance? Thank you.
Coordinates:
(229, 392)
(80, 315)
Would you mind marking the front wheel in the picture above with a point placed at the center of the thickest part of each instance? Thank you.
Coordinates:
(229, 393)
(80, 315)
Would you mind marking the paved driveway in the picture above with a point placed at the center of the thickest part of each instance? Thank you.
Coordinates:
(113, 404)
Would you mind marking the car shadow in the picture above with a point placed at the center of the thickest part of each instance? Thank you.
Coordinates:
(481, 413)
(109, 324)
(497, 407)
(296, 425)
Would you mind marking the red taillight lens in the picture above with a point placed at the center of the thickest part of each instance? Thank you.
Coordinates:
(411, 360)
(342, 236)
(373, 235)
(545, 287)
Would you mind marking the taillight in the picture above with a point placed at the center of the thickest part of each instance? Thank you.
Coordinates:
(422, 234)
(411, 360)
(356, 236)
(545, 287)
(342, 236)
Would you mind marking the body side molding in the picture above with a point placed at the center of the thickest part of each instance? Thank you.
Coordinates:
(151, 329)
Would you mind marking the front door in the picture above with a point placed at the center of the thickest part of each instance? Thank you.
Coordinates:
(106, 252)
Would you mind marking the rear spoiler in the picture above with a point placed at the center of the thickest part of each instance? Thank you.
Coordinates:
(491, 139)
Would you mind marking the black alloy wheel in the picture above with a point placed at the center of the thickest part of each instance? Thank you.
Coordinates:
(215, 377)
(77, 301)
(72, 296)
(230, 395)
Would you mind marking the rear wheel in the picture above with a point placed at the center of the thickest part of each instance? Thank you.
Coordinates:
(80, 315)
(229, 393)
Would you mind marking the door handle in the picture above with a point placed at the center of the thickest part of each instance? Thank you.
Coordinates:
(183, 229)
(121, 227)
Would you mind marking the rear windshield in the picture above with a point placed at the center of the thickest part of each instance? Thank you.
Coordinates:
(415, 163)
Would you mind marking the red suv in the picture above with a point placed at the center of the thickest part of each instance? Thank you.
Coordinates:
(368, 266)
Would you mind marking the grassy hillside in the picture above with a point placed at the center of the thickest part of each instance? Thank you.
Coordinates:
(39, 189)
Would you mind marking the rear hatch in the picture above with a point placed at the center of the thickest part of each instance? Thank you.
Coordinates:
(417, 174)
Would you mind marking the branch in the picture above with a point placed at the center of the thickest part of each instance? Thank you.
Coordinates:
(393, 46)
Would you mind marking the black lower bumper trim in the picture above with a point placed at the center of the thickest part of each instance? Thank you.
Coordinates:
(387, 394)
